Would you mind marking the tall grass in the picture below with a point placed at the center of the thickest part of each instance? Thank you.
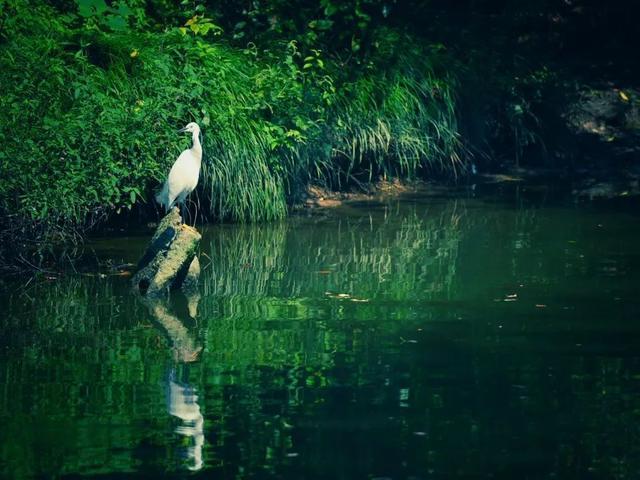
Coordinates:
(399, 119)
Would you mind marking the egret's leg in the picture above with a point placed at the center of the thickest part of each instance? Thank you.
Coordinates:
(192, 220)
(181, 207)
(195, 216)
(185, 220)
(188, 212)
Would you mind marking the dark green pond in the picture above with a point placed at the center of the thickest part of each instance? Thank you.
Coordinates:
(425, 338)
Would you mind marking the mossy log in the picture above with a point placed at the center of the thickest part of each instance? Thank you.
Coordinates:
(170, 259)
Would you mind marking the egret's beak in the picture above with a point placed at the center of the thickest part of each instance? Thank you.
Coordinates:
(182, 130)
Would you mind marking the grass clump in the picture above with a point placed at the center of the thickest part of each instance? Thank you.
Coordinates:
(398, 119)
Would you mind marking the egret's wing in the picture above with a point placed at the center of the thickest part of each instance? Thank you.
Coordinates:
(179, 176)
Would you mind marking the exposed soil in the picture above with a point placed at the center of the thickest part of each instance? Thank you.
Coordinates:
(316, 196)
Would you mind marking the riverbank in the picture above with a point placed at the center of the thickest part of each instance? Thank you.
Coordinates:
(290, 116)
(103, 107)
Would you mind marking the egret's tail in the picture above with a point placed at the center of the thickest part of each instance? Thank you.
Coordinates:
(162, 197)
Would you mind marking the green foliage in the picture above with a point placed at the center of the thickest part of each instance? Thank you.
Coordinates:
(98, 13)
(200, 25)
(345, 26)
(88, 120)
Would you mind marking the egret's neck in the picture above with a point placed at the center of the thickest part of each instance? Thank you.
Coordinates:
(196, 147)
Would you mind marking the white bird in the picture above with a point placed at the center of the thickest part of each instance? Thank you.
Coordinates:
(184, 174)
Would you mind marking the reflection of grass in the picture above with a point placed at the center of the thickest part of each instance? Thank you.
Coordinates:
(243, 257)
(64, 329)
(77, 366)
(70, 301)
(271, 290)
(282, 357)
(418, 251)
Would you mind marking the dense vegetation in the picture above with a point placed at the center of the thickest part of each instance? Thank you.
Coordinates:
(90, 115)
(287, 93)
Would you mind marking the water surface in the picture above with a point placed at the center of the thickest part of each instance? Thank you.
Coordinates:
(486, 336)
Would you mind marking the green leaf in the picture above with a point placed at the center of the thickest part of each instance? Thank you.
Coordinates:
(89, 8)
(123, 10)
(116, 23)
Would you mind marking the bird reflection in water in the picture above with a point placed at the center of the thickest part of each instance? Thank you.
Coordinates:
(183, 403)
(182, 398)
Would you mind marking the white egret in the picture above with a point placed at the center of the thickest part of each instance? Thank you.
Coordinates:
(183, 177)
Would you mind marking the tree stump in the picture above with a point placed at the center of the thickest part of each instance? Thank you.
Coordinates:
(170, 259)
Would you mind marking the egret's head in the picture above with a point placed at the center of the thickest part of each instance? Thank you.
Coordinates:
(191, 127)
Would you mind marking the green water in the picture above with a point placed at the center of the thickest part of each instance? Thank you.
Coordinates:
(427, 337)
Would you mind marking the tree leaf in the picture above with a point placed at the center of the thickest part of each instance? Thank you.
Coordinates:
(116, 23)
